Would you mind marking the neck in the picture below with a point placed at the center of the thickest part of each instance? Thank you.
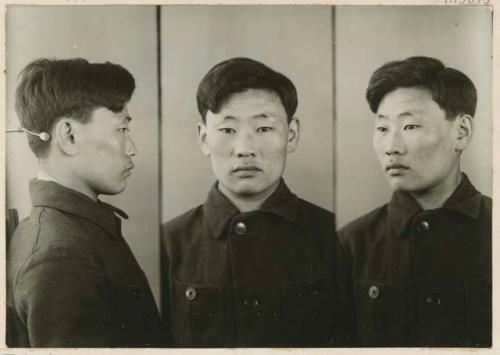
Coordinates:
(248, 203)
(436, 196)
(63, 176)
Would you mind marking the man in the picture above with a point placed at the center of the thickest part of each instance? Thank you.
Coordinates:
(254, 266)
(420, 266)
(72, 279)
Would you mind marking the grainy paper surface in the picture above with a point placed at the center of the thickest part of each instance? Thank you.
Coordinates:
(4, 123)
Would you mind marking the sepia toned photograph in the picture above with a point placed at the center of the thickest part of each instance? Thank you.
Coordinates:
(248, 176)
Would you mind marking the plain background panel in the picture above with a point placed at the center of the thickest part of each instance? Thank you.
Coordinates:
(368, 37)
(294, 40)
(123, 35)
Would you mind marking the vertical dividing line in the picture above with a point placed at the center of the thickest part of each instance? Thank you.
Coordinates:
(158, 58)
(334, 118)
(160, 144)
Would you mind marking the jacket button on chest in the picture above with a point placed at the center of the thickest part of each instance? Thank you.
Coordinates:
(373, 292)
(240, 228)
(190, 293)
(423, 226)
(138, 292)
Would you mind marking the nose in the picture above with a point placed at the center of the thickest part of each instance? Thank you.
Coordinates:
(245, 145)
(130, 148)
(394, 144)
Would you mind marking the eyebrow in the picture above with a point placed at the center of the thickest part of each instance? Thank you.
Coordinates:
(402, 114)
(257, 116)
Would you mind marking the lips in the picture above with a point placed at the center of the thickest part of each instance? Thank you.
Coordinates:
(246, 171)
(246, 168)
(396, 166)
(396, 169)
(128, 169)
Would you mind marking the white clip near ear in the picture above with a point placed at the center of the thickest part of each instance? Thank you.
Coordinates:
(44, 136)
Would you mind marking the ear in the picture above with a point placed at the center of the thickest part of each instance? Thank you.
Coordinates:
(464, 128)
(64, 136)
(293, 135)
(202, 138)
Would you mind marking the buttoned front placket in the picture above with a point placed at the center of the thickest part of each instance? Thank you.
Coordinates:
(440, 246)
(257, 274)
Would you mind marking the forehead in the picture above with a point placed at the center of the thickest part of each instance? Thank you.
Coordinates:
(252, 102)
(407, 100)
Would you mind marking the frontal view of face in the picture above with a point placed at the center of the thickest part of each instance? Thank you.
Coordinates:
(247, 142)
(415, 143)
(105, 151)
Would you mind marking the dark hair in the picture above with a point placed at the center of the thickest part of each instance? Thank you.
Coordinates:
(238, 75)
(451, 89)
(50, 89)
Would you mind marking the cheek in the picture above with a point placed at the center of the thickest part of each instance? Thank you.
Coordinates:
(377, 146)
(433, 152)
(108, 149)
(219, 148)
(274, 145)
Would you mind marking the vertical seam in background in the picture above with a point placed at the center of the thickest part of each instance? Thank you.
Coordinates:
(334, 118)
(160, 145)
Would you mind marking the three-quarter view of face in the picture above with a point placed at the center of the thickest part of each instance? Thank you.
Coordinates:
(105, 149)
(248, 141)
(415, 142)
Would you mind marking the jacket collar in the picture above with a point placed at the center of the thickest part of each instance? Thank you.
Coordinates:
(53, 195)
(219, 210)
(402, 207)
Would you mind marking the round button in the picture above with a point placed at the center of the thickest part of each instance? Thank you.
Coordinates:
(190, 293)
(423, 226)
(373, 292)
(138, 292)
(240, 228)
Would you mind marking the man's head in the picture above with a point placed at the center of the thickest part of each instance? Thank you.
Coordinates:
(423, 113)
(82, 106)
(248, 125)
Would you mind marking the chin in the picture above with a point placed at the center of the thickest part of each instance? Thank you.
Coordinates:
(113, 190)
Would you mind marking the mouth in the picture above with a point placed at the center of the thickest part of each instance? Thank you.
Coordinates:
(396, 169)
(128, 170)
(246, 170)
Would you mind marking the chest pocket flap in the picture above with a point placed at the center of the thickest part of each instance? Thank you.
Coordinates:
(198, 317)
(381, 314)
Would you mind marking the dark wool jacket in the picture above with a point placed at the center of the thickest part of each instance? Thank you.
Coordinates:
(257, 279)
(422, 278)
(72, 279)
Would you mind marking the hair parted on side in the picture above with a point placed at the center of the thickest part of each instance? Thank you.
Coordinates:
(451, 89)
(50, 89)
(238, 75)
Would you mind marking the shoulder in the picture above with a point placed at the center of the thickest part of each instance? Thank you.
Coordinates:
(363, 225)
(315, 217)
(48, 235)
(48, 226)
(486, 204)
(182, 222)
(308, 208)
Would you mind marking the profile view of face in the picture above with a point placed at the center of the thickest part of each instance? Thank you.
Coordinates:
(105, 151)
(414, 142)
(248, 141)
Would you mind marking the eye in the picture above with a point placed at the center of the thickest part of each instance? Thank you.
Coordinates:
(381, 129)
(227, 130)
(264, 129)
(410, 127)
